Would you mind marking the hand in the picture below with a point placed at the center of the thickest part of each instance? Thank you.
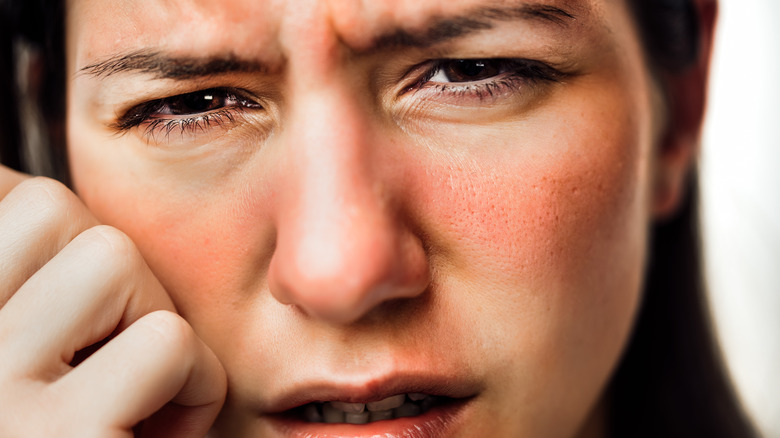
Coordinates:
(68, 285)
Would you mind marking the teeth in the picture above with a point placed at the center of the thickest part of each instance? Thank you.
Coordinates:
(381, 415)
(407, 410)
(331, 414)
(397, 406)
(387, 404)
(357, 417)
(348, 407)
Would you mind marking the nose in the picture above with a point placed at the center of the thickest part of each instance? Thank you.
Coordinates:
(343, 244)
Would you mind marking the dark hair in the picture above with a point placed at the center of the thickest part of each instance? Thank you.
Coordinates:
(670, 381)
(36, 100)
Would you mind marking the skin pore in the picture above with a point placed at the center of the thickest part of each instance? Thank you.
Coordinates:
(335, 210)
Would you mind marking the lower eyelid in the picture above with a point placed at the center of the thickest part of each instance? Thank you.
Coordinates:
(482, 89)
(158, 130)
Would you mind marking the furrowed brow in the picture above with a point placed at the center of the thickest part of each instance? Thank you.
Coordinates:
(164, 66)
(441, 29)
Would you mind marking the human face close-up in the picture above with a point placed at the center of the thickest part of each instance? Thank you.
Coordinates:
(352, 200)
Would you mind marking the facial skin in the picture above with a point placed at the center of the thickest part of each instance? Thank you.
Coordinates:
(355, 226)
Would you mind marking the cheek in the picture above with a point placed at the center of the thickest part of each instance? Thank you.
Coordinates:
(205, 239)
(540, 209)
(541, 249)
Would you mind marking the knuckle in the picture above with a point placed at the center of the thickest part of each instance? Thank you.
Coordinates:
(46, 185)
(45, 198)
(112, 239)
(112, 248)
(115, 254)
(115, 258)
(172, 330)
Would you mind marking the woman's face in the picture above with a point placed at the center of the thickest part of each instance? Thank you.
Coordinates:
(351, 200)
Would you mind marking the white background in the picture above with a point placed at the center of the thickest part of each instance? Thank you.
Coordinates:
(740, 166)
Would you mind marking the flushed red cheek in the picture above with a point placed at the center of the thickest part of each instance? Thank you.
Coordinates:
(224, 260)
(199, 247)
(538, 218)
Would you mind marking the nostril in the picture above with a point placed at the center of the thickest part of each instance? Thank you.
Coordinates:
(339, 294)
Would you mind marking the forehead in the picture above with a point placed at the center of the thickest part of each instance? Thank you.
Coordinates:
(97, 27)
(252, 28)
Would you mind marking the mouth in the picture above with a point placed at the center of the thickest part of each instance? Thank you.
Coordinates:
(403, 410)
(396, 406)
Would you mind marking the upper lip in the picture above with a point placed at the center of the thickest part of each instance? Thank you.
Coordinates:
(373, 389)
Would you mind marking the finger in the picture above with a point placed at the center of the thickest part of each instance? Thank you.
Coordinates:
(9, 179)
(96, 285)
(157, 362)
(37, 219)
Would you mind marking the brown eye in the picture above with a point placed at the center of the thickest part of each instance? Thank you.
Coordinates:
(199, 102)
(466, 70)
(189, 107)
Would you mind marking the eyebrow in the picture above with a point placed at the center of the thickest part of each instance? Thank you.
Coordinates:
(441, 29)
(436, 31)
(164, 66)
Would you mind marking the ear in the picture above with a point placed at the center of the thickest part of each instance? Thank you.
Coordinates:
(686, 96)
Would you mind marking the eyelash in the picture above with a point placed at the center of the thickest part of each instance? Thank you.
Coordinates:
(512, 74)
(149, 113)
(191, 124)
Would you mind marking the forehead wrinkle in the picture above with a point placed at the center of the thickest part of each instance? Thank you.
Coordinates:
(421, 26)
(232, 30)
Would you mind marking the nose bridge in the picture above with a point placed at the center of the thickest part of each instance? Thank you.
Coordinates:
(330, 139)
(341, 247)
(336, 207)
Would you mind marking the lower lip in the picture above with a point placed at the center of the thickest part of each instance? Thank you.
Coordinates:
(438, 422)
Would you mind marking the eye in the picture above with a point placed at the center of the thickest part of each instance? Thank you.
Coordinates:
(198, 102)
(195, 110)
(470, 89)
(467, 81)
(465, 70)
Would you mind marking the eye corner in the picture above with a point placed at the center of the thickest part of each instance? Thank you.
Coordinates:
(135, 116)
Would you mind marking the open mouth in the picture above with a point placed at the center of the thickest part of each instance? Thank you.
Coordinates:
(396, 406)
(412, 405)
